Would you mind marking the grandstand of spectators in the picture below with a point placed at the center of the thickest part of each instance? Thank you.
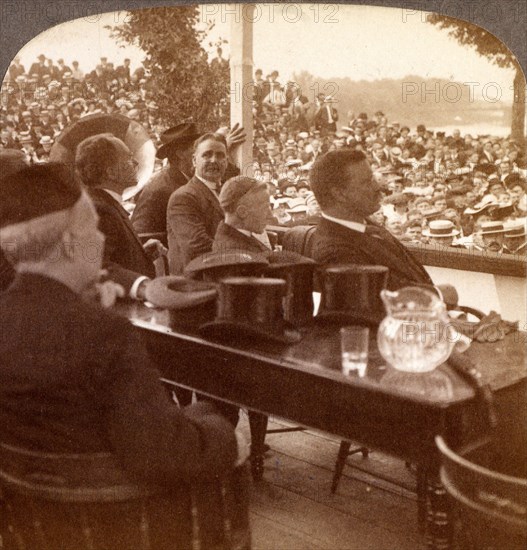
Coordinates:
(456, 190)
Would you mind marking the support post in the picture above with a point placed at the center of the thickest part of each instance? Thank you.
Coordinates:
(241, 65)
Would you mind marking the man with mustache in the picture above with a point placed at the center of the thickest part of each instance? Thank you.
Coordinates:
(348, 195)
(194, 211)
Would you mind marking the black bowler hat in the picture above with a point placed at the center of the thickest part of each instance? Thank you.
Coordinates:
(250, 308)
(182, 134)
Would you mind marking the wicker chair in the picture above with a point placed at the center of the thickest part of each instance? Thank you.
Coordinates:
(491, 506)
(84, 502)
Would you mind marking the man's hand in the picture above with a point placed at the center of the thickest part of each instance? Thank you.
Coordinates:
(235, 137)
(155, 249)
(105, 293)
(243, 449)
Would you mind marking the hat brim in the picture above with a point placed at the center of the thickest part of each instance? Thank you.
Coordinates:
(349, 317)
(175, 292)
(494, 232)
(235, 330)
(164, 150)
(472, 211)
(454, 233)
(239, 259)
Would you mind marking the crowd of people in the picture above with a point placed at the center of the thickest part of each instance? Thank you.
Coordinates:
(455, 190)
(39, 102)
(81, 382)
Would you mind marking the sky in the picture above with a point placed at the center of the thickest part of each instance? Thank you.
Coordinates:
(360, 42)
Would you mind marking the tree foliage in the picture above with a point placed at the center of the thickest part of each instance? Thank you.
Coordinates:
(185, 85)
(491, 47)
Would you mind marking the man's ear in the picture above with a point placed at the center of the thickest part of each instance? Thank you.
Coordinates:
(112, 172)
(194, 160)
(241, 211)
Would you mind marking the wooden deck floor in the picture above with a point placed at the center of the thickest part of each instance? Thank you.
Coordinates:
(293, 509)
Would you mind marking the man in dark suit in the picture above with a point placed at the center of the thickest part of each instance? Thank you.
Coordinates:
(150, 213)
(80, 380)
(194, 212)
(327, 116)
(347, 193)
(106, 167)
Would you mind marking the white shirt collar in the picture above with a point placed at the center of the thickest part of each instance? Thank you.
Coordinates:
(262, 237)
(210, 184)
(354, 226)
(115, 195)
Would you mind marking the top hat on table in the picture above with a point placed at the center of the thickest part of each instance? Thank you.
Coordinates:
(190, 303)
(182, 134)
(351, 294)
(297, 271)
(251, 308)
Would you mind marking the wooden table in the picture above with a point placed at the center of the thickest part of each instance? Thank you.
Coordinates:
(395, 412)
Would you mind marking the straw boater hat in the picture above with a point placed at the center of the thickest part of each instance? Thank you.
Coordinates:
(490, 228)
(45, 140)
(441, 228)
(515, 228)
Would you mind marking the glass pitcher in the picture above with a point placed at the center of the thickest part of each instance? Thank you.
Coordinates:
(416, 335)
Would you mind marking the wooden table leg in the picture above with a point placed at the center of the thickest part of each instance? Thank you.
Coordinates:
(438, 525)
(422, 489)
(258, 425)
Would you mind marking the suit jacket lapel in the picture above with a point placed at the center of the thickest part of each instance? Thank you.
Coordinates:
(251, 241)
(207, 194)
(110, 201)
(381, 251)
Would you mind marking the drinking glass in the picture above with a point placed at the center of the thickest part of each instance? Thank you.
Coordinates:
(354, 341)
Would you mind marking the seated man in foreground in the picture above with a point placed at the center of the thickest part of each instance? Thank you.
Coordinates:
(348, 194)
(74, 378)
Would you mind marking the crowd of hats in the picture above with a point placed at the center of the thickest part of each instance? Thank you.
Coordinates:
(460, 180)
(44, 98)
(426, 176)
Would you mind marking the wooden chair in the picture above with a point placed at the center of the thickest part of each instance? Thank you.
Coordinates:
(491, 505)
(299, 239)
(85, 502)
(345, 451)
